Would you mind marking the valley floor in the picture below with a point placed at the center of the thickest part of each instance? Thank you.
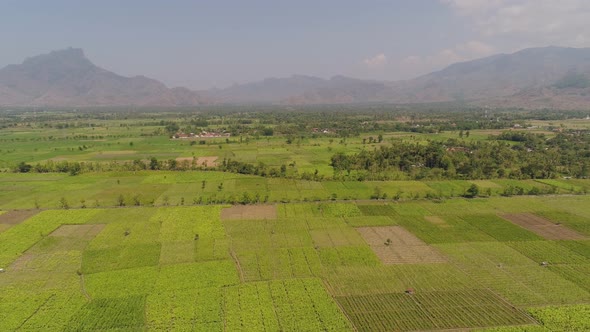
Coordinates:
(504, 263)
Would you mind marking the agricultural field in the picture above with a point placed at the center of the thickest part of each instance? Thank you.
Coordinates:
(315, 266)
(302, 221)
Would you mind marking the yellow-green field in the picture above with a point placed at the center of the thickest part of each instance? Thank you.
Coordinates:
(109, 224)
(297, 266)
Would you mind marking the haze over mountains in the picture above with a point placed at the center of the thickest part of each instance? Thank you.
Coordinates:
(68, 78)
(549, 77)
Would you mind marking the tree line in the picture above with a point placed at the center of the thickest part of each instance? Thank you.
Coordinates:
(505, 156)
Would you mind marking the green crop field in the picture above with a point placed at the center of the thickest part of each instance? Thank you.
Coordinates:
(109, 223)
(306, 267)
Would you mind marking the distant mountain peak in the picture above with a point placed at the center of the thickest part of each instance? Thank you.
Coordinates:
(67, 78)
(557, 77)
(65, 55)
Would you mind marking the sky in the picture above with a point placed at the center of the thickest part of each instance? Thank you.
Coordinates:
(217, 43)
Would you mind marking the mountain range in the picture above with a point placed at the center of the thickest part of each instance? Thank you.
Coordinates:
(548, 77)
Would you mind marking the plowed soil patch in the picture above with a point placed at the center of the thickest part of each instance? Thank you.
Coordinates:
(395, 245)
(16, 217)
(543, 227)
(200, 161)
(252, 212)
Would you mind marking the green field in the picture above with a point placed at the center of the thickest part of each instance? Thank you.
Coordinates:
(107, 223)
(305, 268)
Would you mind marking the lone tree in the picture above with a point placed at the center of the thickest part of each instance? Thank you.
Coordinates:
(137, 200)
(63, 202)
(121, 200)
(23, 167)
(472, 192)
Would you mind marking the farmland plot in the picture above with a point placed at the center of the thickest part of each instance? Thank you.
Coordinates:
(513, 275)
(562, 318)
(348, 256)
(395, 245)
(288, 305)
(16, 240)
(16, 217)
(499, 228)
(187, 310)
(382, 279)
(549, 252)
(543, 227)
(184, 268)
(333, 236)
(121, 313)
(376, 210)
(431, 310)
(279, 263)
(256, 212)
(577, 222)
(578, 274)
(449, 229)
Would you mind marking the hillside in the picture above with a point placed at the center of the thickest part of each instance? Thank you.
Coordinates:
(551, 74)
(549, 77)
(532, 78)
(68, 78)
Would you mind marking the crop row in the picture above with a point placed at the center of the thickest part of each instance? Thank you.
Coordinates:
(125, 313)
(430, 310)
(362, 280)
(185, 310)
(279, 263)
(548, 251)
(511, 274)
(288, 305)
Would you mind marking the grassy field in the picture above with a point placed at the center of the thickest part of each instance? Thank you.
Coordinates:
(112, 249)
(119, 139)
(313, 266)
(149, 188)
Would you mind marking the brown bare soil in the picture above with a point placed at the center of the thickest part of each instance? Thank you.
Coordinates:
(403, 248)
(253, 212)
(16, 217)
(207, 161)
(22, 262)
(72, 237)
(78, 231)
(543, 227)
(200, 161)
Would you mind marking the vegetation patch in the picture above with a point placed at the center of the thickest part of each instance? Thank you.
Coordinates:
(286, 305)
(124, 313)
(414, 310)
(376, 210)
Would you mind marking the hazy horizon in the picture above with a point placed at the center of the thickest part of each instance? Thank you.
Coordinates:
(208, 44)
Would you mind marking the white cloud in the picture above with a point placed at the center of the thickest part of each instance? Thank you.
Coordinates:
(534, 22)
(376, 61)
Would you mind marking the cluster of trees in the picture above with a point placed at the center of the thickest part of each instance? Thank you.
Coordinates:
(75, 167)
(234, 166)
(533, 157)
(137, 200)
